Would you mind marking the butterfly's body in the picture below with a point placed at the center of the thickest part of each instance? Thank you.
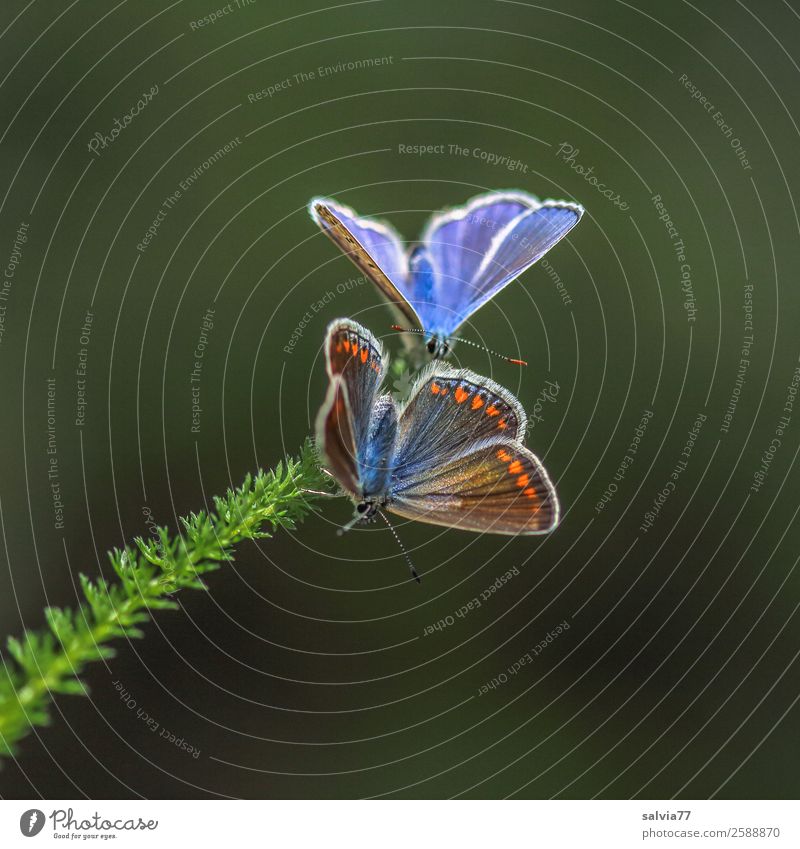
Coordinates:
(451, 455)
(375, 460)
(465, 257)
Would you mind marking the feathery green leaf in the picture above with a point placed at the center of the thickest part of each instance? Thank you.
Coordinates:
(42, 664)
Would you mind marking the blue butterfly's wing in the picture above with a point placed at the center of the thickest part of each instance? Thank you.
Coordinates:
(458, 239)
(477, 249)
(346, 424)
(459, 458)
(374, 247)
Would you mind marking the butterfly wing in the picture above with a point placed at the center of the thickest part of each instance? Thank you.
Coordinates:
(355, 364)
(335, 438)
(477, 249)
(458, 239)
(357, 357)
(374, 247)
(448, 411)
(459, 458)
(498, 486)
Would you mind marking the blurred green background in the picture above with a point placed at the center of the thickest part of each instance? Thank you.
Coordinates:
(305, 672)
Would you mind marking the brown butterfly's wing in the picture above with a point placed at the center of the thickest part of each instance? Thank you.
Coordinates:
(449, 411)
(357, 357)
(355, 364)
(498, 487)
(335, 438)
(374, 248)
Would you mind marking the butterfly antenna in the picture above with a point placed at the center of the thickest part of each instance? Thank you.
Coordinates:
(414, 574)
(513, 360)
(407, 329)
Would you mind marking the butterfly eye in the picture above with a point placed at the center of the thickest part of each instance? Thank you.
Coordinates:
(361, 508)
(432, 346)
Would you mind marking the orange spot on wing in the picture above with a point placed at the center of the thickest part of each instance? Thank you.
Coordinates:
(502, 424)
(515, 468)
(461, 395)
(531, 493)
(477, 402)
(523, 481)
(492, 411)
(346, 344)
(503, 455)
(364, 355)
(435, 388)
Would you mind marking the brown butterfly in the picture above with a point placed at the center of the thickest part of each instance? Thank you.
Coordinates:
(451, 455)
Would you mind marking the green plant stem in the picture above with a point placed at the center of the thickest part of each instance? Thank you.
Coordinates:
(43, 663)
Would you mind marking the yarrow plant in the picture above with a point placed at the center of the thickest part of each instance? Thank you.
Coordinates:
(47, 662)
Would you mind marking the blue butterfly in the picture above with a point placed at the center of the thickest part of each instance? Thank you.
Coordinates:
(451, 455)
(465, 257)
